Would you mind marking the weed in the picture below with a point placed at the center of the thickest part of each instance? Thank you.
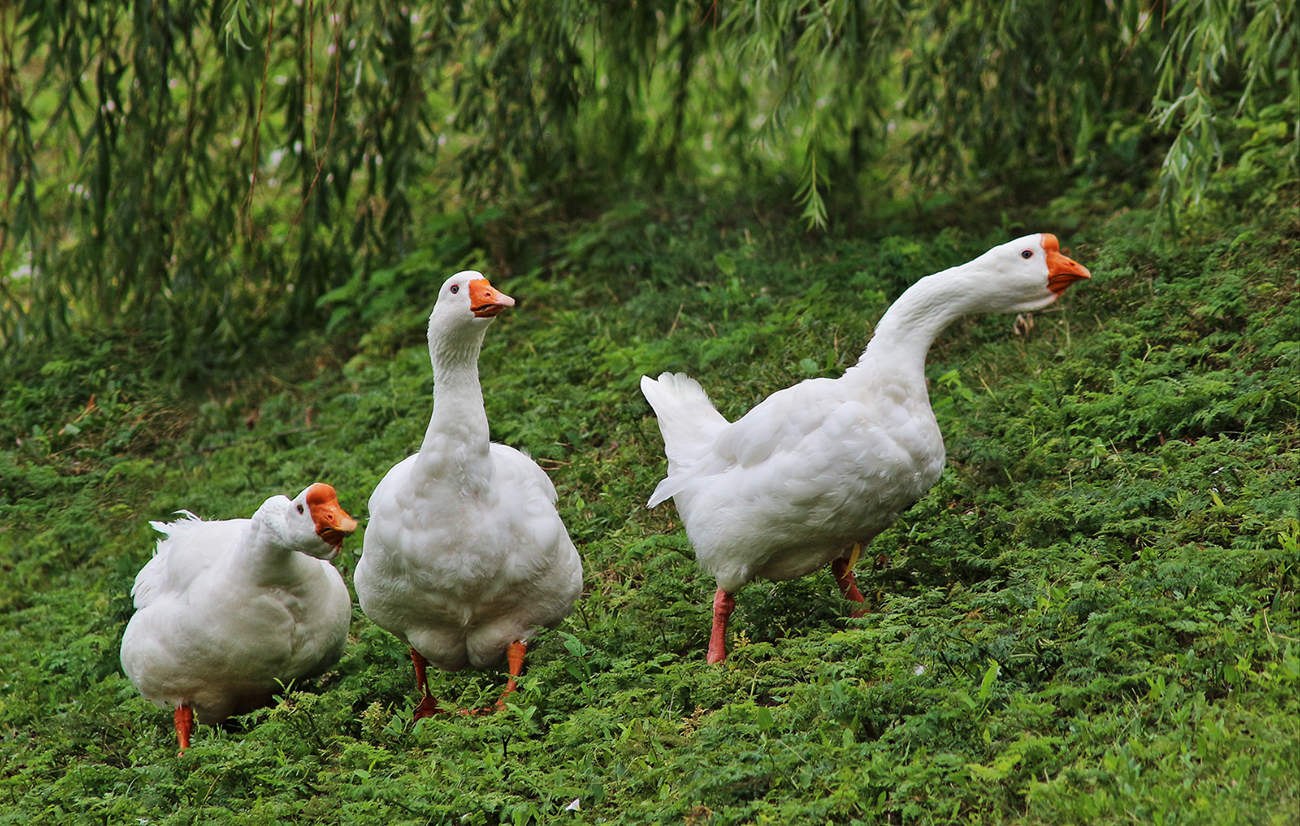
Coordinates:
(1093, 617)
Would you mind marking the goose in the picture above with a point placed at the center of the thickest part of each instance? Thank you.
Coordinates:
(227, 611)
(465, 557)
(814, 471)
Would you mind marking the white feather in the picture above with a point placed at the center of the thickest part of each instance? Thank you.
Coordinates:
(464, 550)
(224, 616)
(826, 463)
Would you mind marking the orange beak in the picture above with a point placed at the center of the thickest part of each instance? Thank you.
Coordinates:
(1062, 271)
(332, 522)
(486, 301)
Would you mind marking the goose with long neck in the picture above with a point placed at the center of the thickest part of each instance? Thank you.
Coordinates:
(465, 556)
(813, 472)
(228, 611)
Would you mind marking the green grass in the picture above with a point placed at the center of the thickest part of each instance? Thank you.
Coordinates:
(1092, 618)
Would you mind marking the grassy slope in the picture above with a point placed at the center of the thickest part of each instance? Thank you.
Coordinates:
(1093, 617)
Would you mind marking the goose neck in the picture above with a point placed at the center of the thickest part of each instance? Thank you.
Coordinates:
(904, 334)
(457, 438)
(264, 560)
(458, 415)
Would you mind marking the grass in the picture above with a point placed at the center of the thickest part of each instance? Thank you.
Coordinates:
(1092, 618)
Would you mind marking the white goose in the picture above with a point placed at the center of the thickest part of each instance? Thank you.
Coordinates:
(226, 611)
(816, 470)
(465, 557)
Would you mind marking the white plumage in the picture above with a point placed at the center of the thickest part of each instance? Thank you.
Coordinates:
(465, 556)
(823, 466)
(226, 611)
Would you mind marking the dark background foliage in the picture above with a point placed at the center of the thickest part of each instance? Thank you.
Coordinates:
(202, 172)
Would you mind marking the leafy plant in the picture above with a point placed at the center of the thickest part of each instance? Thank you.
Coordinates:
(1094, 611)
(205, 174)
(1228, 89)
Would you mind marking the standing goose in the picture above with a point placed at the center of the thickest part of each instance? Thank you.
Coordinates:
(227, 611)
(815, 471)
(465, 557)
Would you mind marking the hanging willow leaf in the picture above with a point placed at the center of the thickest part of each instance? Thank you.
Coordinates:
(204, 170)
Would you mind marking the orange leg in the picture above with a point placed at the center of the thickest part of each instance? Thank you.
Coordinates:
(428, 706)
(723, 605)
(183, 719)
(515, 661)
(842, 568)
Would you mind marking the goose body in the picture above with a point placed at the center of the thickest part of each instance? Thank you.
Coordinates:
(806, 473)
(465, 556)
(227, 611)
(823, 466)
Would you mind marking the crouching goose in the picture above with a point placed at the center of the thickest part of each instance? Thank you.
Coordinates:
(227, 611)
(465, 557)
(815, 471)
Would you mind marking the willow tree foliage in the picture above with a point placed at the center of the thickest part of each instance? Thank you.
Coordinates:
(196, 169)
(187, 168)
(1229, 90)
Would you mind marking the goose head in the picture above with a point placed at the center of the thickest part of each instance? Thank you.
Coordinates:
(312, 523)
(467, 303)
(1026, 274)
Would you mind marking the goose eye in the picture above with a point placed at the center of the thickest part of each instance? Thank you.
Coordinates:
(455, 288)
(1026, 254)
(299, 507)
